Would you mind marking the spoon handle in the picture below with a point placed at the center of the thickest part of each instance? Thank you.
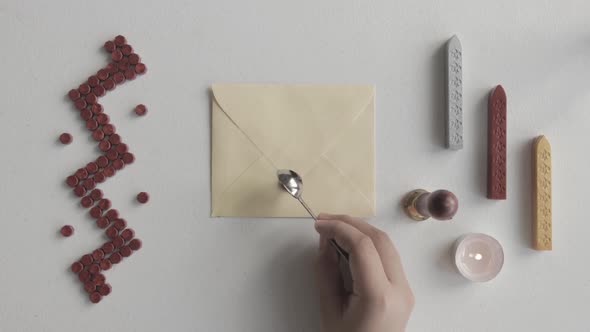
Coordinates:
(339, 249)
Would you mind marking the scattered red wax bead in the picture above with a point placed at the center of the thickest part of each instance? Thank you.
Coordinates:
(120, 40)
(109, 46)
(108, 248)
(118, 164)
(102, 161)
(102, 222)
(140, 109)
(118, 242)
(135, 244)
(115, 258)
(104, 145)
(125, 251)
(93, 81)
(109, 84)
(86, 202)
(92, 167)
(67, 230)
(65, 138)
(120, 224)
(84, 89)
(81, 173)
(77, 267)
(115, 139)
(86, 114)
(105, 264)
(80, 104)
(128, 158)
(105, 289)
(117, 55)
(95, 297)
(140, 68)
(112, 214)
(112, 233)
(112, 154)
(80, 191)
(109, 171)
(99, 177)
(96, 108)
(72, 181)
(84, 276)
(97, 255)
(104, 204)
(89, 287)
(134, 59)
(127, 234)
(143, 197)
(96, 212)
(102, 119)
(86, 260)
(94, 269)
(108, 129)
(96, 194)
(98, 135)
(74, 95)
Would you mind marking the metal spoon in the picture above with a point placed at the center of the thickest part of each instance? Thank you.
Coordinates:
(293, 184)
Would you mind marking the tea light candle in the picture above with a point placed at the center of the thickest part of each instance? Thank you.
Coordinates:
(478, 257)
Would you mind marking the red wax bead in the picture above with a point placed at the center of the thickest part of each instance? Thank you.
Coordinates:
(105, 264)
(118, 241)
(108, 129)
(82, 174)
(134, 59)
(96, 212)
(98, 135)
(140, 109)
(104, 145)
(102, 222)
(72, 181)
(115, 139)
(102, 161)
(92, 124)
(86, 260)
(112, 233)
(94, 269)
(140, 68)
(102, 119)
(109, 84)
(98, 255)
(112, 154)
(130, 74)
(89, 184)
(65, 138)
(135, 244)
(86, 114)
(84, 89)
(99, 90)
(125, 251)
(89, 287)
(91, 167)
(119, 78)
(102, 74)
(118, 164)
(123, 66)
(112, 214)
(80, 104)
(84, 276)
(80, 191)
(95, 297)
(74, 95)
(98, 278)
(96, 108)
(91, 98)
(87, 202)
(143, 197)
(117, 55)
(77, 267)
(93, 81)
(96, 194)
(128, 158)
(112, 68)
(104, 204)
(115, 258)
(120, 224)
(121, 148)
(127, 234)
(100, 177)
(126, 49)
(67, 230)
(110, 46)
(105, 289)
(120, 40)
(108, 248)
(109, 171)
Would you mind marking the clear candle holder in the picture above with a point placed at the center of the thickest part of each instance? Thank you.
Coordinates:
(478, 257)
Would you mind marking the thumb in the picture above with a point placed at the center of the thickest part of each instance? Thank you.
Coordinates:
(329, 282)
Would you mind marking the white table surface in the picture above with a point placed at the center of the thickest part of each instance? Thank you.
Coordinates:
(195, 273)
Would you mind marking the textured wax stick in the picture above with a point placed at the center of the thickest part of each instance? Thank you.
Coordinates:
(542, 220)
(454, 111)
(497, 144)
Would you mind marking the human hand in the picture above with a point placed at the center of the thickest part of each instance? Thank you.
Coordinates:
(382, 300)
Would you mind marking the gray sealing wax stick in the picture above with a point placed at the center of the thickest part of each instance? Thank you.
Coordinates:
(454, 111)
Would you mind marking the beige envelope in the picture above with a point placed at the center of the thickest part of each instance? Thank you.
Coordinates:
(325, 133)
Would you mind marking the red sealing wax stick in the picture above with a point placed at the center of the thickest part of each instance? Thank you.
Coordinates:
(497, 144)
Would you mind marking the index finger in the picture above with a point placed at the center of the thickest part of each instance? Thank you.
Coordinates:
(365, 265)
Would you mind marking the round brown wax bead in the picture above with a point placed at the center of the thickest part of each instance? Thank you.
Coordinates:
(95, 297)
(86, 260)
(100, 177)
(143, 197)
(117, 55)
(102, 119)
(123, 66)
(67, 230)
(108, 129)
(96, 212)
(127, 234)
(93, 81)
(98, 135)
(108, 248)
(72, 181)
(130, 74)
(120, 40)
(104, 145)
(112, 214)
(115, 258)
(105, 289)
(102, 161)
(115, 139)
(128, 158)
(105, 264)
(140, 68)
(112, 233)
(92, 124)
(110, 46)
(97, 255)
(102, 222)
(91, 167)
(81, 173)
(135, 244)
(98, 278)
(112, 68)
(109, 84)
(104, 204)
(96, 108)
(118, 164)
(99, 90)
(119, 78)
(118, 242)
(126, 49)
(109, 171)
(89, 184)
(120, 224)
(80, 104)
(112, 154)
(102, 74)
(84, 89)
(94, 268)
(80, 191)
(86, 202)
(125, 251)
(443, 204)
(90, 287)
(74, 95)
(86, 114)
(77, 267)
(65, 138)
(140, 109)
(134, 59)
(121, 148)
(91, 98)
(96, 194)
(84, 276)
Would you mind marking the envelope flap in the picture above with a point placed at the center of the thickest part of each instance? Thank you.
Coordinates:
(308, 117)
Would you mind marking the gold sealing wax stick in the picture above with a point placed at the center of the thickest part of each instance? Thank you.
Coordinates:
(542, 222)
